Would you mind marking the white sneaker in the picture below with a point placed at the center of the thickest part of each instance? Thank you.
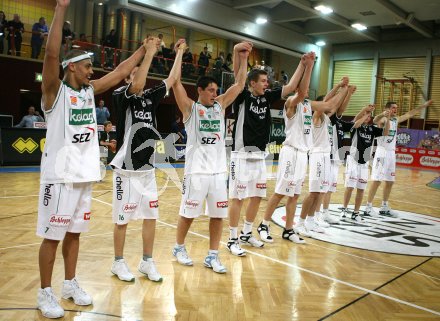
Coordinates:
(149, 269)
(292, 236)
(248, 239)
(235, 248)
(320, 220)
(387, 211)
(182, 256)
(357, 217)
(48, 304)
(71, 289)
(264, 232)
(121, 270)
(213, 262)
(329, 218)
(302, 230)
(314, 227)
(369, 211)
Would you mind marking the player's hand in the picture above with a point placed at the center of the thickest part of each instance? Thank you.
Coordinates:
(151, 45)
(344, 81)
(63, 3)
(180, 45)
(428, 103)
(243, 46)
(386, 113)
(352, 89)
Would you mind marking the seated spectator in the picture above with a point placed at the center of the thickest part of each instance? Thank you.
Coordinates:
(102, 113)
(39, 31)
(106, 141)
(16, 28)
(284, 78)
(29, 120)
(110, 42)
(187, 63)
(66, 39)
(178, 129)
(203, 61)
(228, 63)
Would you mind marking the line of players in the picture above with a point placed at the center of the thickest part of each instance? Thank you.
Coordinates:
(70, 161)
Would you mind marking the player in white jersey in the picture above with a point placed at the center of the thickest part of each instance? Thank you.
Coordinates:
(134, 182)
(70, 161)
(205, 171)
(384, 162)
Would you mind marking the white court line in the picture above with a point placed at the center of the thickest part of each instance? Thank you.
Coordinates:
(310, 271)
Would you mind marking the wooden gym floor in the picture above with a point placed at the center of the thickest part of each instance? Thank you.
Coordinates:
(282, 281)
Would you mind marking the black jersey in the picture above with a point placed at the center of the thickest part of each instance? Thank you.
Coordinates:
(342, 126)
(252, 119)
(362, 140)
(135, 131)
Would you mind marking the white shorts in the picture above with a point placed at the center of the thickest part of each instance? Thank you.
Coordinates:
(63, 208)
(134, 196)
(319, 172)
(334, 173)
(247, 176)
(292, 169)
(356, 175)
(384, 165)
(197, 188)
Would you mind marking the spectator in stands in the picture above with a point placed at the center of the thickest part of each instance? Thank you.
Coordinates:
(228, 63)
(110, 42)
(284, 78)
(169, 55)
(66, 39)
(178, 129)
(203, 61)
(162, 43)
(106, 141)
(218, 68)
(16, 28)
(29, 120)
(102, 113)
(187, 63)
(3, 28)
(82, 37)
(39, 31)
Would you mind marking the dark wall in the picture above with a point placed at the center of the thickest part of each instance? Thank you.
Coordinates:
(19, 74)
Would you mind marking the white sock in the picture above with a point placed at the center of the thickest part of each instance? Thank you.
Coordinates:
(317, 214)
(213, 252)
(233, 232)
(301, 221)
(247, 227)
(266, 222)
(369, 204)
(179, 245)
(310, 218)
(324, 210)
(385, 203)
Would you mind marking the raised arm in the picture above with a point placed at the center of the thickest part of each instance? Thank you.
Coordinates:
(351, 90)
(342, 83)
(176, 70)
(183, 101)
(120, 73)
(51, 66)
(244, 48)
(368, 108)
(295, 80)
(361, 120)
(380, 119)
(386, 129)
(332, 105)
(151, 46)
(413, 112)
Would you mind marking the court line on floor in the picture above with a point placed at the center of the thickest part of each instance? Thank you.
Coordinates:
(310, 271)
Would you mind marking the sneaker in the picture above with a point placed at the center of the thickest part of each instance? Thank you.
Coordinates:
(329, 218)
(213, 262)
(343, 215)
(149, 269)
(369, 211)
(291, 235)
(264, 232)
(235, 248)
(48, 304)
(121, 270)
(182, 256)
(320, 220)
(72, 290)
(302, 230)
(355, 216)
(387, 211)
(248, 239)
(314, 227)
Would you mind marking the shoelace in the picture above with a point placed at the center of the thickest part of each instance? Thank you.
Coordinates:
(183, 253)
(76, 288)
(51, 299)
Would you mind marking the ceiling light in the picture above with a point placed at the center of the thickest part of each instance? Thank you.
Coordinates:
(261, 20)
(359, 26)
(320, 43)
(324, 9)
(100, 4)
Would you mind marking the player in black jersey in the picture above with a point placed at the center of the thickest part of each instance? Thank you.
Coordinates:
(356, 174)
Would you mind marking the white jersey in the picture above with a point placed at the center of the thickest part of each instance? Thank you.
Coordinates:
(205, 151)
(322, 136)
(299, 128)
(389, 142)
(71, 150)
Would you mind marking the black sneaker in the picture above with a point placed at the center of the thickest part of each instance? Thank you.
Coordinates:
(291, 235)
(235, 248)
(355, 216)
(264, 232)
(248, 239)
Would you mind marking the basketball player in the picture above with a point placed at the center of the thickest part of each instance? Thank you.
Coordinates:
(134, 182)
(292, 166)
(205, 171)
(247, 175)
(356, 173)
(70, 161)
(384, 162)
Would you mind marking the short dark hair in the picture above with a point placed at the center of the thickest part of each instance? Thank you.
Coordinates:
(320, 98)
(108, 122)
(388, 104)
(254, 75)
(204, 82)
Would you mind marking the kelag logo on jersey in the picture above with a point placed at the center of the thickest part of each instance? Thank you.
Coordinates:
(210, 126)
(307, 120)
(81, 116)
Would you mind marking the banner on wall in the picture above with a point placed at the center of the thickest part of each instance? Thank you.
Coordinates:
(415, 138)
